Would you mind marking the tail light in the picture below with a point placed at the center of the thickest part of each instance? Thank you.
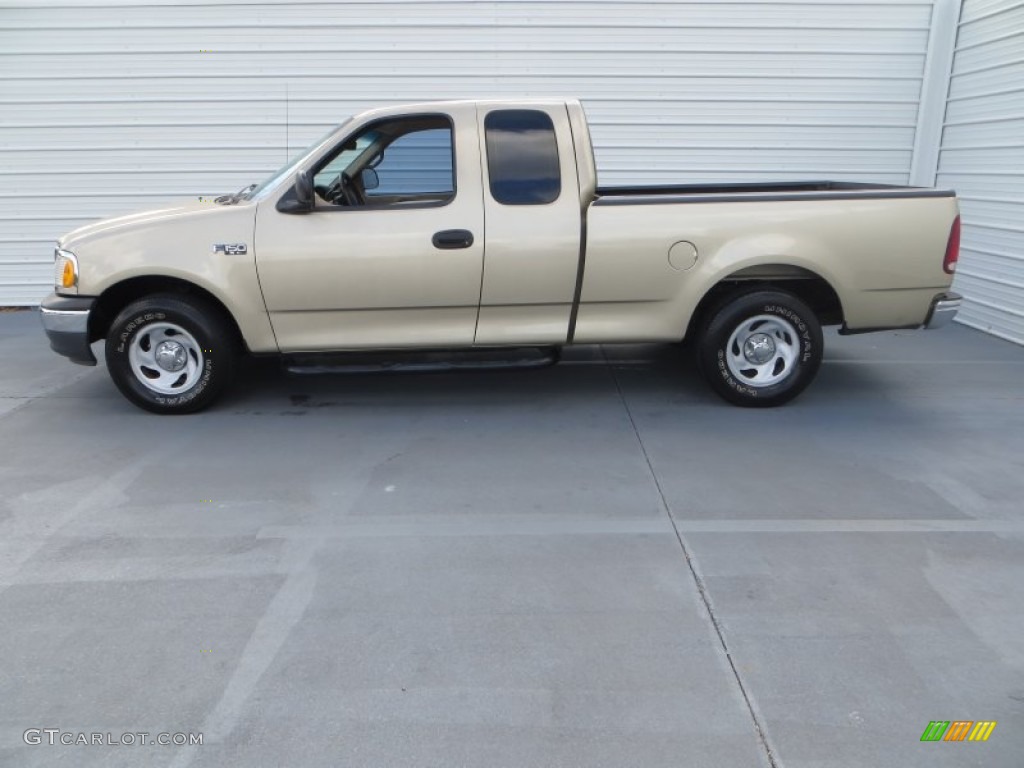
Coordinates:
(952, 248)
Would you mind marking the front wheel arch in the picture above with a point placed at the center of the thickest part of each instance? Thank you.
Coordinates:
(114, 299)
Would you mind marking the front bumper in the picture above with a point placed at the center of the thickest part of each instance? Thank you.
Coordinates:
(944, 308)
(66, 321)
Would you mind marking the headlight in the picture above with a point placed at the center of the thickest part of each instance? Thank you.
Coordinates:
(65, 271)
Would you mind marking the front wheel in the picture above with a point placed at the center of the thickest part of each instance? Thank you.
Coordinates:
(760, 348)
(171, 354)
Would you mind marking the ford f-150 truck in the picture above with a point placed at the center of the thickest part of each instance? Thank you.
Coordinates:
(481, 226)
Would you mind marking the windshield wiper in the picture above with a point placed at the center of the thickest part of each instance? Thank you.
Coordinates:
(239, 195)
(245, 192)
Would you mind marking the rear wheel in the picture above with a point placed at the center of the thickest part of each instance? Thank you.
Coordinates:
(170, 353)
(760, 348)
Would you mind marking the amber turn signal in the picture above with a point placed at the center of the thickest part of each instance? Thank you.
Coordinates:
(68, 274)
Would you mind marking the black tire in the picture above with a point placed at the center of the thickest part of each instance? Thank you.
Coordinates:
(792, 329)
(212, 365)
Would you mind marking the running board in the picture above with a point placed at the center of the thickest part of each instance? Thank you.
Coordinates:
(398, 361)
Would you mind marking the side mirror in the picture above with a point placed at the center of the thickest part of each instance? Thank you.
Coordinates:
(304, 188)
(298, 199)
(369, 178)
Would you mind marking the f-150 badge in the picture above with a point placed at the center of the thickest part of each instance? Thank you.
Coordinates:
(231, 249)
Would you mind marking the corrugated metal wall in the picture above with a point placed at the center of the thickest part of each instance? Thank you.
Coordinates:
(982, 156)
(109, 107)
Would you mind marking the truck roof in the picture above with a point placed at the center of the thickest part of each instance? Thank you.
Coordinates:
(435, 105)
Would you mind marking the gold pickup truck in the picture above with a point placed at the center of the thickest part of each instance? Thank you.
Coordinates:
(480, 226)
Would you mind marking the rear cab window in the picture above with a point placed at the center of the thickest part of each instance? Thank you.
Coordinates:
(522, 157)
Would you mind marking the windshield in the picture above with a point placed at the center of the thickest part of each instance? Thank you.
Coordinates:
(292, 166)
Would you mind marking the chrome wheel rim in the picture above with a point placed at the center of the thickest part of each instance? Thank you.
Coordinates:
(165, 358)
(762, 350)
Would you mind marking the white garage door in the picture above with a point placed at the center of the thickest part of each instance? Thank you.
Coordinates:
(983, 158)
(110, 107)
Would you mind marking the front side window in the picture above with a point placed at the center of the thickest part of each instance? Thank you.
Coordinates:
(403, 161)
(417, 163)
(522, 157)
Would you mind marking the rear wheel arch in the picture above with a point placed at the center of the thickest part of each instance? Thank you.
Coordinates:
(808, 286)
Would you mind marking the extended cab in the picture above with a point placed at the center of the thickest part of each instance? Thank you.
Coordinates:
(481, 225)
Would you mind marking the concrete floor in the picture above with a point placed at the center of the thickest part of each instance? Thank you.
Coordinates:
(588, 565)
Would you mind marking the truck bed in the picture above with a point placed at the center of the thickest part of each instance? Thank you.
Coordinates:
(759, 191)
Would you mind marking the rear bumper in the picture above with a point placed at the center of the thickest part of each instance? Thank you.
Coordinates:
(66, 322)
(944, 308)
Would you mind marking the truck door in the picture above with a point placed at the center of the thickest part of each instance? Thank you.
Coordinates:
(392, 253)
(532, 212)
